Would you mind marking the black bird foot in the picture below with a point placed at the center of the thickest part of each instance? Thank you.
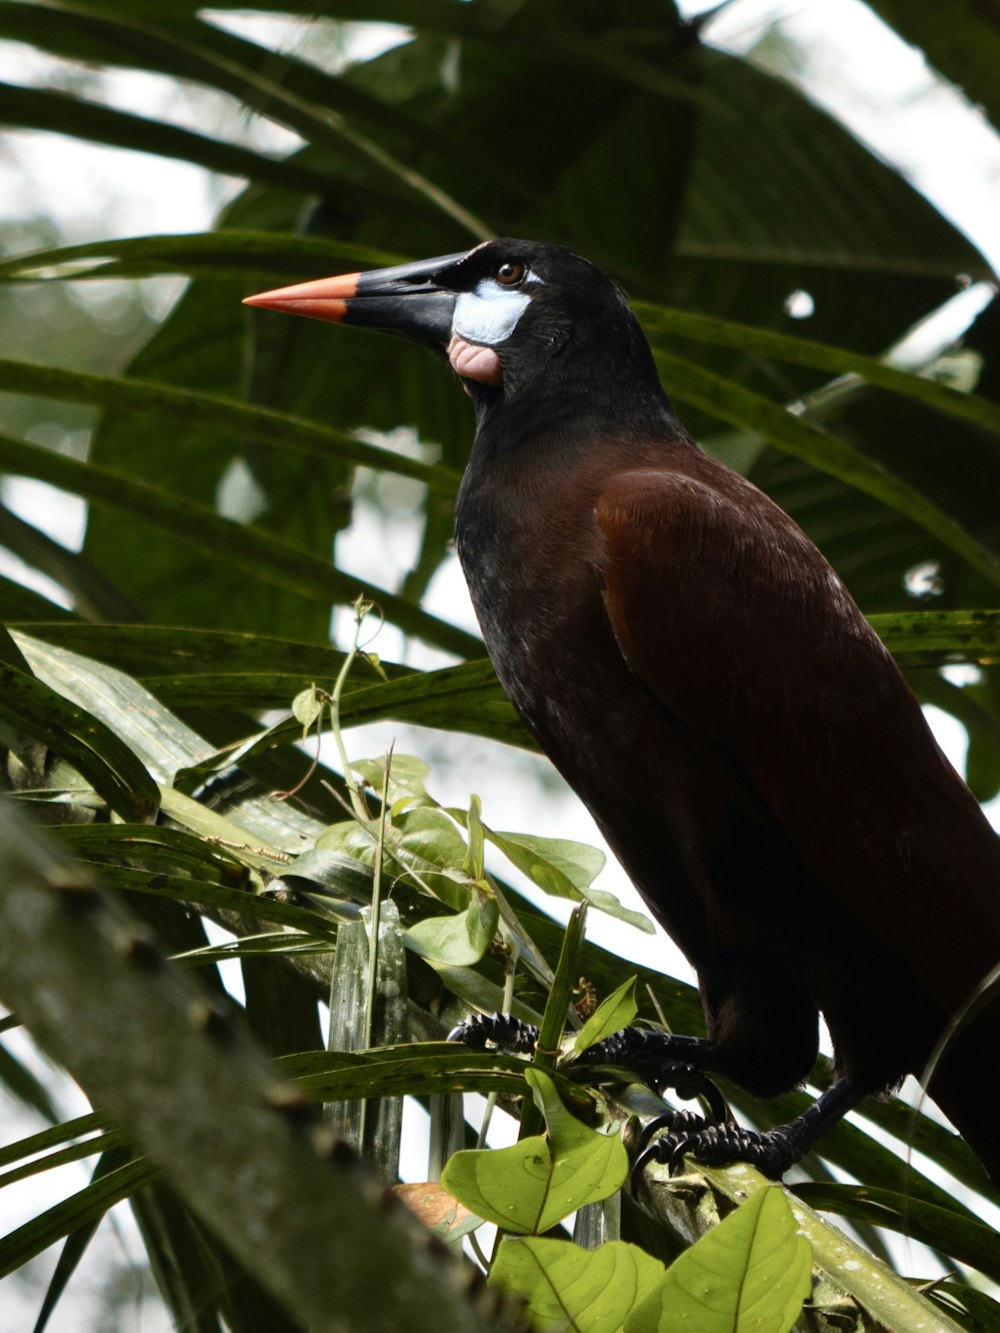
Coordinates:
(504, 1032)
(772, 1151)
(645, 1051)
(496, 1032)
(664, 1060)
(660, 1058)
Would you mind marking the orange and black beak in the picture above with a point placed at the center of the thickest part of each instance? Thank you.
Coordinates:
(406, 299)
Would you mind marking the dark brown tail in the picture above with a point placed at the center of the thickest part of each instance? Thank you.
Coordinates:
(963, 1080)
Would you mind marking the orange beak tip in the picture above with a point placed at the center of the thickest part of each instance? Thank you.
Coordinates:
(322, 298)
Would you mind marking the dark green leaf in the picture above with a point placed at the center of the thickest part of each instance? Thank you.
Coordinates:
(829, 453)
(819, 356)
(920, 637)
(21, 1083)
(44, 109)
(77, 1242)
(80, 1209)
(275, 429)
(962, 42)
(93, 749)
(250, 549)
(430, 1068)
(51, 1138)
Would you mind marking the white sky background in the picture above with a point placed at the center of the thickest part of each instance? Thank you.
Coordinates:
(854, 66)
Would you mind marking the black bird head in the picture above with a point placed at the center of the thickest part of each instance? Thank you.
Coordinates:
(521, 322)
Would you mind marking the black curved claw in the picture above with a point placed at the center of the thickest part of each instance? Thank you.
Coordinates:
(638, 1168)
(686, 1129)
(502, 1032)
(717, 1104)
(680, 1149)
(676, 1122)
(683, 1126)
(772, 1153)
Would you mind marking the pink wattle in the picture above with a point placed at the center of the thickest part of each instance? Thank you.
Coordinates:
(475, 363)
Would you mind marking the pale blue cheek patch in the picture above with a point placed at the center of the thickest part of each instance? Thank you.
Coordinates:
(489, 314)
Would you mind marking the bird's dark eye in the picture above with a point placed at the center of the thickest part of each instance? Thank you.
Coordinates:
(510, 273)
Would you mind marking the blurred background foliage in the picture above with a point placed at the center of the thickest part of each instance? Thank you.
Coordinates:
(228, 461)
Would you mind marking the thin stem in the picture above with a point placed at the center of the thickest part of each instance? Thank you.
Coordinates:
(376, 913)
(361, 609)
(478, 1251)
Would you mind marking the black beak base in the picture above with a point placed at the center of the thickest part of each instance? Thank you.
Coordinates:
(406, 299)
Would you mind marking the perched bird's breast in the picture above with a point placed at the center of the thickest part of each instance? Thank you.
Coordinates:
(530, 551)
(534, 559)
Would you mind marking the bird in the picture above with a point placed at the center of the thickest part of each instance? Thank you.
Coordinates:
(704, 681)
